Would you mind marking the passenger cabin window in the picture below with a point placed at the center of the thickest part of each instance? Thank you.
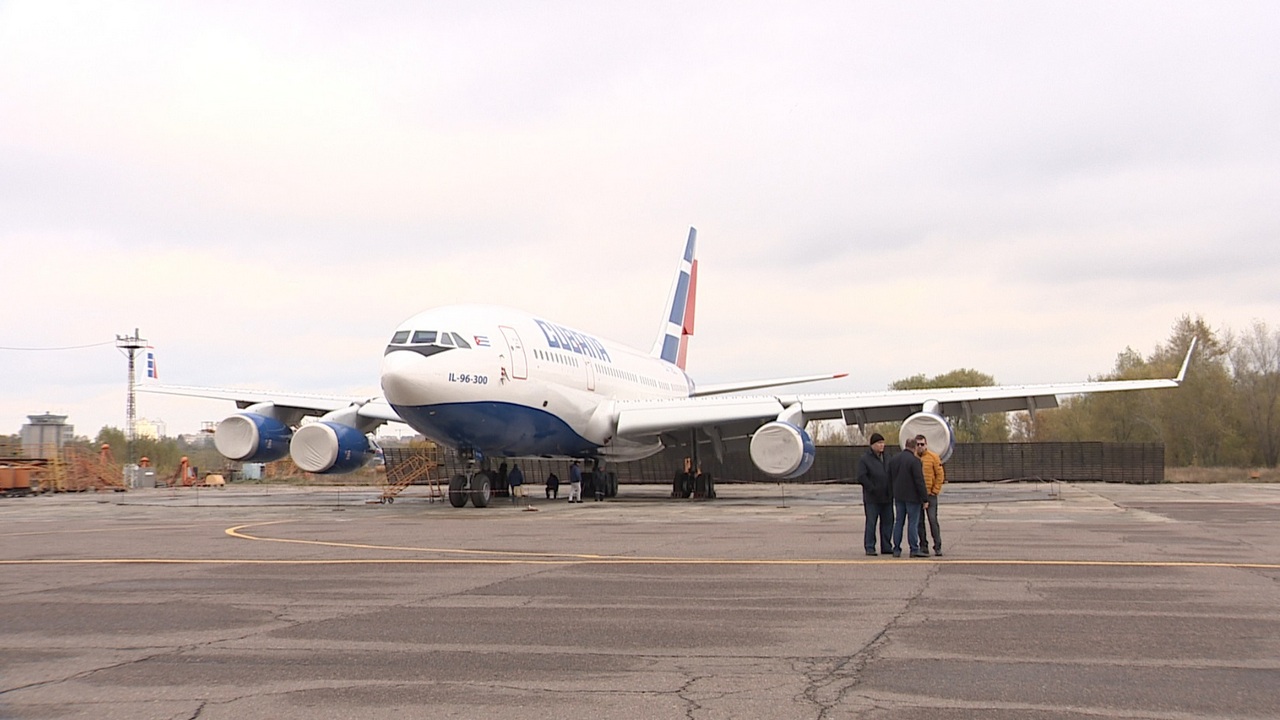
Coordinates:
(400, 338)
(422, 337)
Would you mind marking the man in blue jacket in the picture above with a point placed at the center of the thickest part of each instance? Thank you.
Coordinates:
(877, 496)
(909, 495)
(516, 481)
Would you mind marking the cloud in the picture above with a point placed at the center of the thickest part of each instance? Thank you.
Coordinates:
(265, 190)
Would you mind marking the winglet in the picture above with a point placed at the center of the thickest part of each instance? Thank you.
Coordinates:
(1182, 374)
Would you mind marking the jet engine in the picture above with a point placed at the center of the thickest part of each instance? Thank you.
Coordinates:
(330, 447)
(251, 437)
(934, 428)
(782, 450)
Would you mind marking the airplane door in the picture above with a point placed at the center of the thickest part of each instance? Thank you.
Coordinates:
(591, 376)
(515, 350)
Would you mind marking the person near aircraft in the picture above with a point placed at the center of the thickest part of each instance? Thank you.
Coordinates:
(553, 487)
(877, 497)
(909, 494)
(500, 484)
(575, 481)
(598, 483)
(934, 477)
(515, 480)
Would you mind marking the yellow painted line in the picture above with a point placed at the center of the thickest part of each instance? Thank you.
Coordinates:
(544, 558)
(631, 561)
(237, 532)
(517, 557)
(93, 530)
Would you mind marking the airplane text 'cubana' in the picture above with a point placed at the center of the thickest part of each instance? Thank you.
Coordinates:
(562, 338)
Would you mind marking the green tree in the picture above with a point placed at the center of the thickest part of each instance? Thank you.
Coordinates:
(10, 446)
(164, 454)
(1196, 423)
(989, 427)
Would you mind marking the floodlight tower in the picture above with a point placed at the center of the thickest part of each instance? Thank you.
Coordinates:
(130, 344)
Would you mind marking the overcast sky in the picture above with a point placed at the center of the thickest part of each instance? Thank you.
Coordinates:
(266, 189)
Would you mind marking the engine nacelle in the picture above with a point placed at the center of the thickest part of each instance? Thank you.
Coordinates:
(934, 428)
(330, 447)
(250, 437)
(782, 450)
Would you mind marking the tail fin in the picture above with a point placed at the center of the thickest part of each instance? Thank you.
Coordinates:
(153, 373)
(673, 338)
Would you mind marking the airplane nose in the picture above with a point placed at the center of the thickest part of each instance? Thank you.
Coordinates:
(403, 378)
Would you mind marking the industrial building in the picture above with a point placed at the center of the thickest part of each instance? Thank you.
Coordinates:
(46, 435)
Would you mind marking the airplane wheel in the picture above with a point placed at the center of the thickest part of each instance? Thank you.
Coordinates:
(458, 491)
(480, 489)
(613, 484)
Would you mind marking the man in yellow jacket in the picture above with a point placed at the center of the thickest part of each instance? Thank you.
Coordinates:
(934, 477)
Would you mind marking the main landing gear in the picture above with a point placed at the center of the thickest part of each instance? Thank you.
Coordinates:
(475, 485)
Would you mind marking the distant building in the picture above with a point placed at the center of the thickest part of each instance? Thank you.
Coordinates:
(200, 439)
(144, 428)
(45, 435)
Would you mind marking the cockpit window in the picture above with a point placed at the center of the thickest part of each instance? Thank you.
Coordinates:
(400, 338)
(461, 343)
(445, 340)
(424, 336)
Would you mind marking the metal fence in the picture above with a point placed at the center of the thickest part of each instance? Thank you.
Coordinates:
(975, 462)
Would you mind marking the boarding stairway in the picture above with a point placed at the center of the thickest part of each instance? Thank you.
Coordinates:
(422, 464)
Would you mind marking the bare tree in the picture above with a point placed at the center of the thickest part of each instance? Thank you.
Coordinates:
(1255, 363)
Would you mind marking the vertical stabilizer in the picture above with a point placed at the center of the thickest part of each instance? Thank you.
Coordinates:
(677, 324)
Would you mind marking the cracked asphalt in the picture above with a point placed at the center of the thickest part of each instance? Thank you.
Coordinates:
(1052, 601)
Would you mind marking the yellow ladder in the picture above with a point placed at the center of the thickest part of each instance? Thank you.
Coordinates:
(417, 466)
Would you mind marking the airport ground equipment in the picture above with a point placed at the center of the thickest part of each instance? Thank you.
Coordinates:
(424, 464)
(21, 476)
(183, 476)
(88, 471)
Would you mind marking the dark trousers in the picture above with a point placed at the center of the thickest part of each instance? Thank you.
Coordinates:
(906, 516)
(880, 513)
(931, 514)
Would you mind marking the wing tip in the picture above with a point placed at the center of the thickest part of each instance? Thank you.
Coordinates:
(1186, 361)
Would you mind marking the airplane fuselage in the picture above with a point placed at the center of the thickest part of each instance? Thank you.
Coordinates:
(507, 383)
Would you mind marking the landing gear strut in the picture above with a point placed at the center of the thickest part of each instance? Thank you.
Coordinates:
(476, 485)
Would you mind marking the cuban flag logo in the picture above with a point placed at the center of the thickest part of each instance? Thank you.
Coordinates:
(152, 373)
(481, 340)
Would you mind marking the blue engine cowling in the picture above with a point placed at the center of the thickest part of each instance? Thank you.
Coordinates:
(330, 447)
(782, 450)
(250, 437)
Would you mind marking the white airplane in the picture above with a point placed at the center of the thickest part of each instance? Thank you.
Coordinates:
(495, 382)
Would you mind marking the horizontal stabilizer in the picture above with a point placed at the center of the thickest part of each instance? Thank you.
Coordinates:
(722, 388)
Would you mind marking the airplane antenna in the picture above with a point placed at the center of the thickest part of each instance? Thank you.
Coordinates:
(130, 344)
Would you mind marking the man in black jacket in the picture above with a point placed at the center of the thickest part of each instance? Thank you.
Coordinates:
(877, 495)
(909, 496)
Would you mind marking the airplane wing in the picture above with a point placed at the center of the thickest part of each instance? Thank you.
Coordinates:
(302, 404)
(732, 417)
